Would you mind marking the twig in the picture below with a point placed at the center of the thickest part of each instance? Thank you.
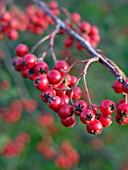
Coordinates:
(83, 42)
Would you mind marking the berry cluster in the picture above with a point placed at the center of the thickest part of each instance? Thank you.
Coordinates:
(87, 31)
(14, 148)
(121, 116)
(14, 112)
(59, 88)
(65, 156)
(33, 19)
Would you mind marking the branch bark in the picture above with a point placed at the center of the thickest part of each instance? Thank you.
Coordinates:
(84, 43)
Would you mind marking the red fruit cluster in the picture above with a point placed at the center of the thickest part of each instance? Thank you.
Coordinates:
(14, 112)
(65, 156)
(33, 19)
(68, 156)
(121, 116)
(46, 149)
(87, 31)
(53, 83)
(14, 148)
(46, 120)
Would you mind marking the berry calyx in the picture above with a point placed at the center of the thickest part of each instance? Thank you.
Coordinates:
(87, 116)
(107, 107)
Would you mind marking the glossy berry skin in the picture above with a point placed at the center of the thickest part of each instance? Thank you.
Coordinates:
(29, 61)
(118, 87)
(68, 42)
(41, 68)
(121, 101)
(76, 17)
(85, 27)
(121, 119)
(48, 94)
(24, 73)
(87, 116)
(17, 63)
(5, 17)
(105, 120)
(41, 82)
(76, 93)
(54, 103)
(64, 99)
(107, 107)
(122, 109)
(69, 122)
(12, 35)
(21, 50)
(72, 81)
(79, 106)
(54, 76)
(95, 127)
(65, 111)
(60, 92)
(62, 66)
(95, 108)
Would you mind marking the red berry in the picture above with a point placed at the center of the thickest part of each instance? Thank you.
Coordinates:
(64, 99)
(54, 103)
(68, 42)
(95, 127)
(62, 66)
(121, 119)
(48, 94)
(118, 87)
(122, 109)
(29, 60)
(72, 81)
(75, 17)
(60, 92)
(54, 76)
(41, 82)
(85, 27)
(17, 63)
(31, 74)
(25, 73)
(105, 120)
(65, 111)
(107, 107)
(5, 17)
(41, 68)
(69, 122)
(79, 106)
(76, 93)
(87, 116)
(12, 34)
(120, 102)
(21, 50)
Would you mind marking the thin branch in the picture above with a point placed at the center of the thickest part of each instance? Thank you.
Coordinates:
(83, 42)
(39, 42)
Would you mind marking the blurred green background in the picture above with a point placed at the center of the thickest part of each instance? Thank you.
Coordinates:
(108, 151)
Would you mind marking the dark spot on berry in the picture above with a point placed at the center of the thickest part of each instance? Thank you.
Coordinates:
(112, 107)
(37, 80)
(78, 108)
(14, 63)
(88, 117)
(31, 72)
(42, 71)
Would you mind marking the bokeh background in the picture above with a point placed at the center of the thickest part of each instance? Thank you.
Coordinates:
(108, 151)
